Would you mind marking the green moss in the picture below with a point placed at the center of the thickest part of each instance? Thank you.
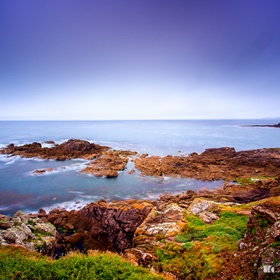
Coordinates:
(198, 253)
(244, 181)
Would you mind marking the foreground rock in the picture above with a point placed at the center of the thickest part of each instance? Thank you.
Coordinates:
(28, 231)
(101, 225)
(109, 164)
(261, 244)
(68, 150)
(257, 189)
(213, 164)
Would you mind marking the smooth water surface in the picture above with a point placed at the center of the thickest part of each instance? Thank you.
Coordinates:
(67, 187)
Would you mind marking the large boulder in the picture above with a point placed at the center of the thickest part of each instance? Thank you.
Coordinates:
(101, 225)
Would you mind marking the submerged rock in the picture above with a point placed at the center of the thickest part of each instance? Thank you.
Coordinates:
(41, 171)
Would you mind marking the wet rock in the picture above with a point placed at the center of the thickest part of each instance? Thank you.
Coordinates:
(51, 142)
(107, 166)
(40, 171)
(73, 148)
(213, 164)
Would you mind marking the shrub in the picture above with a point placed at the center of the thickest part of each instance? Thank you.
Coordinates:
(17, 263)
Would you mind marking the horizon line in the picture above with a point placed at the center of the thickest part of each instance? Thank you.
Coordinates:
(185, 119)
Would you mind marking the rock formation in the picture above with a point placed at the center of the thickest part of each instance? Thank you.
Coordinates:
(213, 164)
(261, 244)
(68, 150)
(28, 231)
(101, 225)
(108, 164)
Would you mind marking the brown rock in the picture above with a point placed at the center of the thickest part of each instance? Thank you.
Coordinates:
(213, 164)
(71, 149)
(49, 142)
(104, 226)
(106, 166)
(68, 226)
(74, 238)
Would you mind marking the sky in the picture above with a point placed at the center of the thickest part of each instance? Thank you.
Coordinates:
(139, 59)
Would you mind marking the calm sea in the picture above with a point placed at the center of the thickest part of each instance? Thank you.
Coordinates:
(67, 187)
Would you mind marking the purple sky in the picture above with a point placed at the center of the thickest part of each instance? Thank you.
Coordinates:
(139, 59)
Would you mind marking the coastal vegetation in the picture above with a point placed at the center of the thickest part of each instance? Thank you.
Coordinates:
(198, 249)
(18, 263)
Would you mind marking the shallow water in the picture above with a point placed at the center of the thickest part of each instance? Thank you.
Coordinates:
(66, 187)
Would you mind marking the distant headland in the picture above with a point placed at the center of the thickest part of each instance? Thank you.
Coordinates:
(264, 125)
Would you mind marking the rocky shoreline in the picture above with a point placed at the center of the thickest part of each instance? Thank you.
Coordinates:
(213, 164)
(163, 233)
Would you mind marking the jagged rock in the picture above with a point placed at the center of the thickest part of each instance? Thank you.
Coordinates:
(18, 234)
(28, 231)
(261, 241)
(102, 225)
(213, 164)
(268, 214)
(45, 228)
(107, 166)
(204, 209)
(73, 148)
(163, 222)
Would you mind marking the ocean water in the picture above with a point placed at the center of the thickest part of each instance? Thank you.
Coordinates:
(66, 187)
